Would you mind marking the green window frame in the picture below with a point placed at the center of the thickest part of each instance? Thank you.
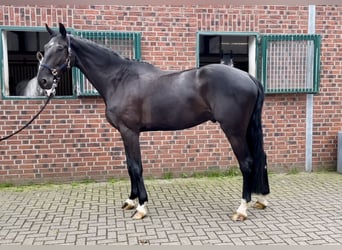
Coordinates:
(127, 44)
(291, 63)
(284, 63)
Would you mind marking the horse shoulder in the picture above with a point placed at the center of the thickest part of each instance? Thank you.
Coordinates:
(122, 109)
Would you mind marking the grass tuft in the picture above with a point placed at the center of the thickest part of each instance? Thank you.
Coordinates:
(6, 185)
(293, 171)
(167, 176)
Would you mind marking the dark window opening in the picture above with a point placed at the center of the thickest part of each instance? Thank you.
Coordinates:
(237, 50)
(22, 64)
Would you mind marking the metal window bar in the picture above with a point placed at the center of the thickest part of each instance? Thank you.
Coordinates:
(291, 63)
(127, 44)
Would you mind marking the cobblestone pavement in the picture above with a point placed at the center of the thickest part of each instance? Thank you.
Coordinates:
(304, 209)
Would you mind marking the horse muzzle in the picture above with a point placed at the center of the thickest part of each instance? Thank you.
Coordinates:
(48, 84)
(52, 90)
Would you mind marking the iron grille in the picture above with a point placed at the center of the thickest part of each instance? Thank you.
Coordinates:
(291, 63)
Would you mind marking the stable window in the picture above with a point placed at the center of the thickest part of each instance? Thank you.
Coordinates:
(18, 48)
(283, 63)
(19, 66)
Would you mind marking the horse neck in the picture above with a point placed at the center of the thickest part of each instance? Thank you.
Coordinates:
(97, 63)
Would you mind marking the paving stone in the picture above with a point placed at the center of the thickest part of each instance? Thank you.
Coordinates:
(305, 209)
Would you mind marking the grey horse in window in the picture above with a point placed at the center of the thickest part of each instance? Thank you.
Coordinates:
(29, 88)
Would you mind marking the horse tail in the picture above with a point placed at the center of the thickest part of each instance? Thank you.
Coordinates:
(255, 142)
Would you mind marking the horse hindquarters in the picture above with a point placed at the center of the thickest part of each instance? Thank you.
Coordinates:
(237, 106)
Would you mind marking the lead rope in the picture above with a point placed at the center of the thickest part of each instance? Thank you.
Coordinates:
(30, 121)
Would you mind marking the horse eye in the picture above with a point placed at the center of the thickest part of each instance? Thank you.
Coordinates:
(60, 47)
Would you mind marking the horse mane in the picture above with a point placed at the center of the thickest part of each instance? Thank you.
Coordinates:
(104, 47)
(126, 59)
(113, 52)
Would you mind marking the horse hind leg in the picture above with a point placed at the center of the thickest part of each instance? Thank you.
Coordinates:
(241, 213)
(241, 151)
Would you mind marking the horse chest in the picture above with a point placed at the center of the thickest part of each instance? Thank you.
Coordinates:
(123, 111)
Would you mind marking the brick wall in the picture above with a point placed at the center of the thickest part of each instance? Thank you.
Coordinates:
(72, 139)
(327, 115)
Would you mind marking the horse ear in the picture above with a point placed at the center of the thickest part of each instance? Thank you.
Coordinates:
(62, 30)
(51, 32)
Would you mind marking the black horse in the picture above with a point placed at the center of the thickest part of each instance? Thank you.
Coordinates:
(140, 97)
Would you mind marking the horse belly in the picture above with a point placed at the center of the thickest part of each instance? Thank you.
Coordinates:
(175, 114)
(175, 124)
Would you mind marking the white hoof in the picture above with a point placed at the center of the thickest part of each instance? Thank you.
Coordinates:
(261, 203)
(140, 212)
(241, 212)
(239, 217)
(128, 204)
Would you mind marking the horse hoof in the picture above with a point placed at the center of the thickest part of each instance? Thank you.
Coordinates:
(259, 205)
(128, 205)
(239, 217)
(139, 213)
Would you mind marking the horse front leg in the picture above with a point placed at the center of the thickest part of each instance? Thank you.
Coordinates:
(135, 170)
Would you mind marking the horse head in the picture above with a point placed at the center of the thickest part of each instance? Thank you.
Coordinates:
(56, 59)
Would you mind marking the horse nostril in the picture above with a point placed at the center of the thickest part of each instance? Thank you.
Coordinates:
(42, 82)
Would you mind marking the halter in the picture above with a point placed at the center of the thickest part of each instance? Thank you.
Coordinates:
(55, 71)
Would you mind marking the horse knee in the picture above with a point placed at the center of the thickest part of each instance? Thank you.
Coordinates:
(136, 172)
(245, 167)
